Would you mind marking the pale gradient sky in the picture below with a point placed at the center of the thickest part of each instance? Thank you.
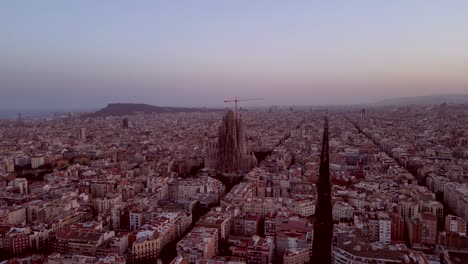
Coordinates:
(56, 54)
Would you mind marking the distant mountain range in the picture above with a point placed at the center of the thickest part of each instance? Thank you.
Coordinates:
(120, 109)
(426, 100)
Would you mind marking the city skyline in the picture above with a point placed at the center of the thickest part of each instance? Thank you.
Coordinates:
(385, 185)
(247, 132)
(84, 55)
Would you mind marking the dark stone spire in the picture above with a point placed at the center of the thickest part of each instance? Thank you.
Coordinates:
(233, 156)
(323, 226)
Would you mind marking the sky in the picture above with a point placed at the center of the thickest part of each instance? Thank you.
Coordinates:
(86, 54)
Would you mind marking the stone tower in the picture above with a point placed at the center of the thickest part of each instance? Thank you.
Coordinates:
(233, 153)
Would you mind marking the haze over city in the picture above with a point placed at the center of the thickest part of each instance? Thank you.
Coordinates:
(233, 132)
(85, 54)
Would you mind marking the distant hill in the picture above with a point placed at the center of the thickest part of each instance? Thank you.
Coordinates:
(427, 100)
(120, 109)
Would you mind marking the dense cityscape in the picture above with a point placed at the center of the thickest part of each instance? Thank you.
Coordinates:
(263, 185)
(233, 132)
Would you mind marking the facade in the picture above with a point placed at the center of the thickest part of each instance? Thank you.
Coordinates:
(456, 197)
(104, 205)
(385, 227)
(101, 188)
(408, 209)
(455, 224)
(37, 161)
(351, 247)
(13, 216)
(255, 250)
(269, 225)
(293, 239)
(436, 183)
(429, 228)
(221, 221)
(247, 225)
(80, 241)
(136, 219)
(435, 208)
(81, 133)
(146, 246)
(342, 211)
(260, 250)
(296, 256)
(17, 240)
(21, 184)
(9, 165)
(57, 258)
(414, 228)
(211, 159)
(397, 228)
(200, 243)
(374, 227)
(455, 241)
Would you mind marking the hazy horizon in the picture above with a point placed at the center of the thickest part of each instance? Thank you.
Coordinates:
(84, 55)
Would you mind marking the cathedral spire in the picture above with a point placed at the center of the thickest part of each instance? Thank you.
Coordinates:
(233, 155)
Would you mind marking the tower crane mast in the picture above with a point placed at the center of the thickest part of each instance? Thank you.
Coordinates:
(237, 100)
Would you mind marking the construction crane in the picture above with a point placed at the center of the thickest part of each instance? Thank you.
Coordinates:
(236, 100)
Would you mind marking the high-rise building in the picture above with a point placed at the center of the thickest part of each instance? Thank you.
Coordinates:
(37, 161)
(385, 227)
(397, 228)
(125, 123)
(81, 133)
(136, 219)
(233, 154)
(19, 120)
(437, 209)
(415, 231)
(429, 228)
